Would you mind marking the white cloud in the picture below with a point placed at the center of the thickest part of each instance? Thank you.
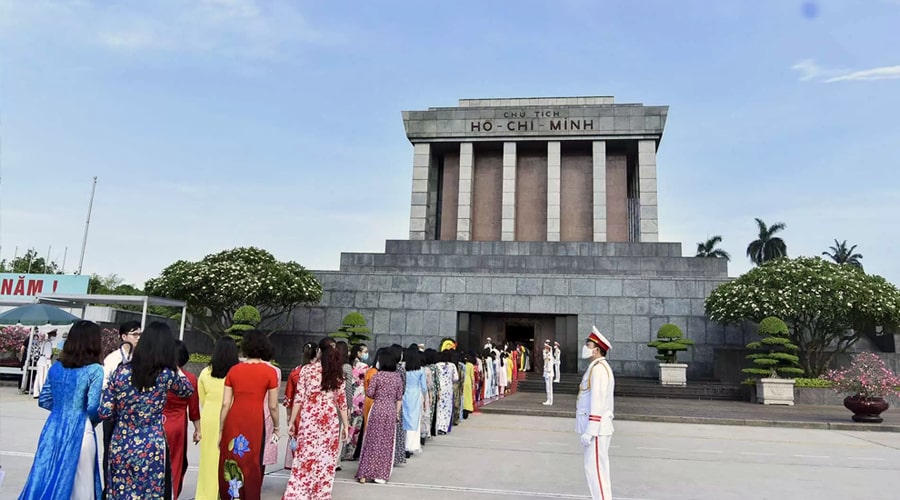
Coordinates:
(809, 70)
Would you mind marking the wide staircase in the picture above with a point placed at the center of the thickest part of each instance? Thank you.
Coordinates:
(642, 388)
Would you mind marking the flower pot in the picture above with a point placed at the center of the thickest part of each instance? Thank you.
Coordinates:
(866, 410)
(673, 374)
(775, 391)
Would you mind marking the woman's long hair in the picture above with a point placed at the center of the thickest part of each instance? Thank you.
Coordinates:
(224, 356)
(332, 365)
(310, 349)
(413, 358)
(153, 354)
(355, 352)
(82, 346)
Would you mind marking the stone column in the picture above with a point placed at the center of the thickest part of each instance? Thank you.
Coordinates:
(508, 204)
(418, 216)
(553, 182)
(464, 209)
(599, 190)
(647, 187)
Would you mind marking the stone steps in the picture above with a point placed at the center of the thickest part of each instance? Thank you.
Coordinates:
(645, 388)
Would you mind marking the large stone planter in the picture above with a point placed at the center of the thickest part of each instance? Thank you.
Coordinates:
(775, 391)
(673, 374)
(866, 410)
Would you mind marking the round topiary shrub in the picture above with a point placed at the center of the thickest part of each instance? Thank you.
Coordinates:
(669, 340)
(246, 318)
(774, 354)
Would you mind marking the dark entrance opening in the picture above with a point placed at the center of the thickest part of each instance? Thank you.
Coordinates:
(521, 334)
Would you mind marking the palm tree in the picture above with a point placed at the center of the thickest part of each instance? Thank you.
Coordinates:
(843, 255)
(767, 246)
(708, 249)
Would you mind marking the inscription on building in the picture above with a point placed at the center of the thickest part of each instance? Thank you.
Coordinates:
(530, 121)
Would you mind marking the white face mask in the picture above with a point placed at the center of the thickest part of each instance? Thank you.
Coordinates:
(586, 352)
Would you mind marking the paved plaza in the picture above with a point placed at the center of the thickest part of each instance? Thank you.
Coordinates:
(514, 456)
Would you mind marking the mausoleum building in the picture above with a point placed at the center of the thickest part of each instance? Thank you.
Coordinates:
(531, 219)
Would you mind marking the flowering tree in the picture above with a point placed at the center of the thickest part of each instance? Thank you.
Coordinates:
(12, 338)
(826, 306)
(218, 285)
(109, 340)
(867, 377)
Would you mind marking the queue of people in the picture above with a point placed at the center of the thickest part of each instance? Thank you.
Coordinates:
(340, 406)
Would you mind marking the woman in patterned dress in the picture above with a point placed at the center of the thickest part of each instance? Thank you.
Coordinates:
(447, 378)
(242, 423)
(400, 454)
(310, 353)
(134, 398)
(431, 400)
(320, 408)
(358, 356)
(376, 461)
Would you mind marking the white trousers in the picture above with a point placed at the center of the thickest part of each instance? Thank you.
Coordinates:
(83, 487)
(596, 468)
(556, 371)
(548, 386)
(40, 377)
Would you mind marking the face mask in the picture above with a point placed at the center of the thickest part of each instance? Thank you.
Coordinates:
(586, 352)
(364, 356)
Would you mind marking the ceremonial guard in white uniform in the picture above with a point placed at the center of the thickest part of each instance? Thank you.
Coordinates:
(548, 373)
(557, 360)
(594, 415)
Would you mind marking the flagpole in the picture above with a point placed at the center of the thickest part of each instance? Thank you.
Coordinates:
(87, 225)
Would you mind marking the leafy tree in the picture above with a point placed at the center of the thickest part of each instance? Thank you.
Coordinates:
(840, 254)
(669, 341)
(708, 249)
(353, 329)
(216, 286)
(775, 354)
(113, 284)
(826, 306)
(31, 262)
(767, 246)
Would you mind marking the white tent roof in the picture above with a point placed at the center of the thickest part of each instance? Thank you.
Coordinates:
(78, 300)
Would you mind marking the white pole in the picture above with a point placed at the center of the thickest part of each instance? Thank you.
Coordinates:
(65, 254)
(144, 314)
(47, 260)
(87, 224)
(183, 317)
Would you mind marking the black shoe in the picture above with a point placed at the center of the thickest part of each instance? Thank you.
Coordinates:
(338, 468)
(408, 455)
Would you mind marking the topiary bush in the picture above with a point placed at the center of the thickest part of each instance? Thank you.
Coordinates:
(669, 340)
(353, 329)
(775, 355)
(246, 318)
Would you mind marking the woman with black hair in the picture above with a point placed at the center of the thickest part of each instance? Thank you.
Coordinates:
(320, 410)
(358, 356)
(448, 377)
(376, 461)
(210, 387)
(176, 414)
(65, 464)
(310, 353)
(414, 398)
(247, 386)
(134, 398)
(400, 443)
(431, 382)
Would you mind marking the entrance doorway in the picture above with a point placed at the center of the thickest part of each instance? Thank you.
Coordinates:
(521, 334)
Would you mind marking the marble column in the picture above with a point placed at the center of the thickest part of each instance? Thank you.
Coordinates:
(464, 207)
(508, 203)
(599, 152)
(647, 188)
(418, 216)
(553, 187)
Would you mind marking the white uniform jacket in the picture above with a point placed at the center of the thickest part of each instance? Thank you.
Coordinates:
(548, 363)
(594, 408)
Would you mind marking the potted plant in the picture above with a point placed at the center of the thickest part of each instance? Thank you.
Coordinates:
(868, 381)
(775, 362)
(669, 340)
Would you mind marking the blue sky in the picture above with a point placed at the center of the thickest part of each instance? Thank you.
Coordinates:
(218, 123)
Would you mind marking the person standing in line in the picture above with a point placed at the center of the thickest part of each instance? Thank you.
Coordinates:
(400, 442)
(359, 354)
(448, 377)
(594, 414)
(176, 414)
(270, 454)
(129, 336)
(44, 360)
(376, 462)
(557, 361)
(310, 353)
(415, 397)
(210, 387)
(431, 376)
(548, 373)
(469, 385)
(249, 386)
(134, 399)
(66, 464)
(320, 408)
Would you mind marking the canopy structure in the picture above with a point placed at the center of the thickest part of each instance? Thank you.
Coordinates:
(83, 300)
